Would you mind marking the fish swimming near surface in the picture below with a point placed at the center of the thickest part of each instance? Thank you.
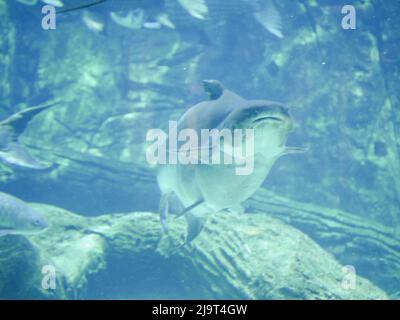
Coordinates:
(154, 14)
(230, 13)
(135, 14)
(12, 151)
(92, 22)
(205, 188)
(17, 217)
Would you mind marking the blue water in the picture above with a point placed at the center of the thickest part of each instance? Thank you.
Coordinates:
(121, 68)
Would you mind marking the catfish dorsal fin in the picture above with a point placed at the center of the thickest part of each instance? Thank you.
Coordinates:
(214, 88)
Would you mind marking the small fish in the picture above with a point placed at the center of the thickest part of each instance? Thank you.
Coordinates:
(268, 16)
(196, 8)
(12, 151)
(92, 22)
(153, 25)
(17, 217)
(133, 20)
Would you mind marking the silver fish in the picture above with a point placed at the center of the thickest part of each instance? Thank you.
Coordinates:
(17, 217)
(12, 151)
(203, 189)
(92, 22)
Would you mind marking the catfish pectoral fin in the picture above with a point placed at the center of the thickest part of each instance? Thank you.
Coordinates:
(187, 209)
(163, 210)
(195, 225)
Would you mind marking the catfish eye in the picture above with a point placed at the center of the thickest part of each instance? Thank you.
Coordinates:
(36, 222)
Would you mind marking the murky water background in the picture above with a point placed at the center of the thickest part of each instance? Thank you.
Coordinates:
(123, 67)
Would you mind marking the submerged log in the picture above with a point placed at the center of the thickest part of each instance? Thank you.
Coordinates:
(127, 256)
(371, 248)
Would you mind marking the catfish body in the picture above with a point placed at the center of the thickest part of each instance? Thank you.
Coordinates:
(218, 187)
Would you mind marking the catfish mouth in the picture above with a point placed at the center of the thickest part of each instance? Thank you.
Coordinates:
(274, 118)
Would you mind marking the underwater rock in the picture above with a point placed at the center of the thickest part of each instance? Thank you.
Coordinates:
(20, 275)
(248, 256)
